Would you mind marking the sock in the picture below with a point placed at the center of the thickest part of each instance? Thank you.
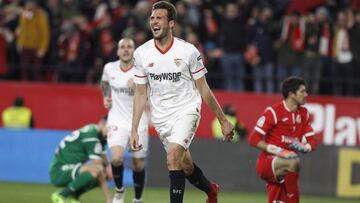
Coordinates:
(177, 186)
(198, 180)
(139, 180)
(93, 184)
(292, 186)
(118, 172)
(276, 192)
(78, 184)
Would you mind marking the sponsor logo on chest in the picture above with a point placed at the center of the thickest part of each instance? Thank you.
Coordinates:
(174, 76)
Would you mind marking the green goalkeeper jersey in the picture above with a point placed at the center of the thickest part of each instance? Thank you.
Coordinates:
(80, 146)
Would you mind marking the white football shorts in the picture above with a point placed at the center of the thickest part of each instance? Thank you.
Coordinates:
(120, 136)
(180, 130)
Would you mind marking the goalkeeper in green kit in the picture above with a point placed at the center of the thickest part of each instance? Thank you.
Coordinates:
(79, 164)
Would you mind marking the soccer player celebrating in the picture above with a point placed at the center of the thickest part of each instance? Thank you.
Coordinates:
(281, 132)
(71, 169)
(117, 87)
(174, 71)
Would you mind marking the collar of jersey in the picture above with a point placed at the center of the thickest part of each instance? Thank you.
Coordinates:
(126, 70)
(167, 49)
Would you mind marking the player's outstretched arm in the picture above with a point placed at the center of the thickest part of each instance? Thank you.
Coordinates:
(98, 163)
(140, 98)
(206, 93)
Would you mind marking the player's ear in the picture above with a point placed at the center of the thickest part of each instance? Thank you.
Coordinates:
(172, 24)
(292, 94)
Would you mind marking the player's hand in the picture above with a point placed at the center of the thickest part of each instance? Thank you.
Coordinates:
(134, 141)
(286, 154)
(280, 152)
(107, 102)
(228, 130)
(300, 147)
(108, 172)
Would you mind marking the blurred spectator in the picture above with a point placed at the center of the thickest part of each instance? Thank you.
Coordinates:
(33, 39)
(290, 47)
(230, 113)
(317, 46)
(6, 37)
(342, 56)
(183, 19)
(355, 49)
(211, 25)
(71, 54)
(12, 11)
(142, 12)
(211, 48)
(304, 6)
(53, 8)
(131, 27)
(105, 45)
(70, 9)
(260, 37)
(193, 38)
(232, 42)
(18, 115)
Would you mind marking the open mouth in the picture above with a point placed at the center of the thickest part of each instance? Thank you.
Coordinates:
(156, 29)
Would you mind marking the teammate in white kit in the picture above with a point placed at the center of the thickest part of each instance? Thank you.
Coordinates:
(174, 72)
(118, 90)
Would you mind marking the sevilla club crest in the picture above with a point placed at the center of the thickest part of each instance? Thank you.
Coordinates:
(177, 62)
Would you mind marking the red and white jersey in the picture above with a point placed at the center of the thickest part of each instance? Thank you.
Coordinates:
(122, 95)
(170, 75)
(279, 125)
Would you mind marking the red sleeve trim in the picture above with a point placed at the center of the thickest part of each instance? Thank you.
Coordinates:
(140, 76)
(198, 70)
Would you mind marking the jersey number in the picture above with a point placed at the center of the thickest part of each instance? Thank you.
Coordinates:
(69, 138)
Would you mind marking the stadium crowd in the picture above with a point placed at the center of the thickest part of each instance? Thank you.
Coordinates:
(247, 45)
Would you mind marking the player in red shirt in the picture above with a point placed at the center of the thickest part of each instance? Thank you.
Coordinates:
(281, 132)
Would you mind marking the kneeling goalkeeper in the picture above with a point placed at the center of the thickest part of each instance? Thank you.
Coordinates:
(79, 164)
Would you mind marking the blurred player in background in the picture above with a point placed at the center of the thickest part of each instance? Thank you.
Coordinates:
(174, 71)
(70, 167)
(281, 132)
(118, 91)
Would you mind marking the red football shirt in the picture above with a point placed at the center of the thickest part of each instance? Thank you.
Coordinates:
(280, 126)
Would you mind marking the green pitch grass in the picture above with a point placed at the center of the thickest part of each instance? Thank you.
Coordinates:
(38, 193)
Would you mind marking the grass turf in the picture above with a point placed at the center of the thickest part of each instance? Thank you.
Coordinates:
(40, 193)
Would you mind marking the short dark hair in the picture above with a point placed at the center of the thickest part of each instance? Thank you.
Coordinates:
(172, 14)
(18, 101)
(291, 84)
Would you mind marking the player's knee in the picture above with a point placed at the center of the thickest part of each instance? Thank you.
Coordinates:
(138, 165)
(94, 171)
(117, 160)
(173, 158)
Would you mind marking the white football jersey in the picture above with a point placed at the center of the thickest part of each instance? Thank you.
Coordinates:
(170, 74)
(122, 96)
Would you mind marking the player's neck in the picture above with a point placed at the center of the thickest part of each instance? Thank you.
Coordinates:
(164, 43)
(291, 105)
(125, 66)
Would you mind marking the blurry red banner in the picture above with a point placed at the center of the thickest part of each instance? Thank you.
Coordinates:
(336, 120)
